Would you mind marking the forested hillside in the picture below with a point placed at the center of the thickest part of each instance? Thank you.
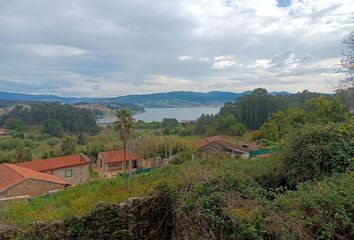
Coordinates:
(250, 111)
(56, 115)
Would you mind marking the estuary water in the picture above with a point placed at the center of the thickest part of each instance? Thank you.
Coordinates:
(157, 114)
(181, 114)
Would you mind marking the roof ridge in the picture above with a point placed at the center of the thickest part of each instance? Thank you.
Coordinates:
(55, 162)
(44, 159)
(10, 165)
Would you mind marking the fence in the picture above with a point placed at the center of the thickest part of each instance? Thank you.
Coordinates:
(136, 172)
(255, 153)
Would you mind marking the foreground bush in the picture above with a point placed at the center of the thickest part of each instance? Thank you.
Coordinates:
(315, 151)
(213, 199)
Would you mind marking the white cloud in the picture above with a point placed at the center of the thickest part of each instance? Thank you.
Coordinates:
(261, 63)
(204, 59)
(47, 50)
(184, 58)
(226, 57)
(223, 64)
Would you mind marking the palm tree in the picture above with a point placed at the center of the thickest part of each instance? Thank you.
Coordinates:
(124, 125)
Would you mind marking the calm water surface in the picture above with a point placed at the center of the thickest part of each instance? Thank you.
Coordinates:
(181, 114)
(157, 114)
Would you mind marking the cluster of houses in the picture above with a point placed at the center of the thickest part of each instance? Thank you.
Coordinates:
(40, 177)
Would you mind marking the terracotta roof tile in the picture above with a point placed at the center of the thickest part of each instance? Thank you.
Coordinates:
(11, 174)
(55, 163)
(117, 156)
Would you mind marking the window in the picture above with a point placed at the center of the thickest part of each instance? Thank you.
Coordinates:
(68, 173)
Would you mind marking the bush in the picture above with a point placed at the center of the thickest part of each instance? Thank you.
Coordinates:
(53, 141)
(182, 157)
(322, 210)
(54, 128)
(15, 124)
(68, 145)
(315, 151)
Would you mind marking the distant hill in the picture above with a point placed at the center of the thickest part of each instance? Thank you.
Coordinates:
(170, 99)
(179, 99)
(44, 98)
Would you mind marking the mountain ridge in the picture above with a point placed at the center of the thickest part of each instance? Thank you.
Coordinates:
(164, 99)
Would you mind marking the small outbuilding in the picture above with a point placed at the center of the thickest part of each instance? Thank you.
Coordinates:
(217, 146)
(112, 162)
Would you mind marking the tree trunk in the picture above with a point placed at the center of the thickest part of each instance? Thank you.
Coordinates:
(125, 154)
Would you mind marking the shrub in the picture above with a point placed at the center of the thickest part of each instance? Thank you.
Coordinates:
(54, 128)
(53, 141)
(315, 151)
(321, 210)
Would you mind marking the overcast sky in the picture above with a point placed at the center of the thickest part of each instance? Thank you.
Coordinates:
(118, 47)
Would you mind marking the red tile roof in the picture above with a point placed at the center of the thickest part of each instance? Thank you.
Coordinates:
(11, 174)
(117, 156)
(55, 163)
(220, 140)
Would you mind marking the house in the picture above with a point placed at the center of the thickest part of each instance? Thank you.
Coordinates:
(112, 162)
(217, 146)
(72, 168)
(16, 181)
(3, 132)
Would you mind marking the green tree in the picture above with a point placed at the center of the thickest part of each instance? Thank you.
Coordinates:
(346, 97)
(15, 124)
(324, 110)
(124, 125)
(23, 154)
(68, 145)
(314, 151)
(81, 140)
(237, 129)
(70, 117)
(320, 110)
(254, 109)
(296, 117)
(275, 128)
(53, 128)
(170, 123)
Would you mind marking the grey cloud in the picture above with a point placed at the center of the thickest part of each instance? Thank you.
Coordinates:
(91, 47)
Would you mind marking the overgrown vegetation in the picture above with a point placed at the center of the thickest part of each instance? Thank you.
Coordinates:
(216, 199)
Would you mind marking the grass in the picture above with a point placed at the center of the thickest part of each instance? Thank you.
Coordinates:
(79, 199)
(238, 198)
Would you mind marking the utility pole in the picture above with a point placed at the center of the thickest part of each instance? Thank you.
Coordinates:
(129, 155)
(170, 155)
(166, 146)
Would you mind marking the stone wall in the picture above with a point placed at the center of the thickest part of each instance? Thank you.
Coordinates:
(31, 187)
(146, 218)
(152, 163)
